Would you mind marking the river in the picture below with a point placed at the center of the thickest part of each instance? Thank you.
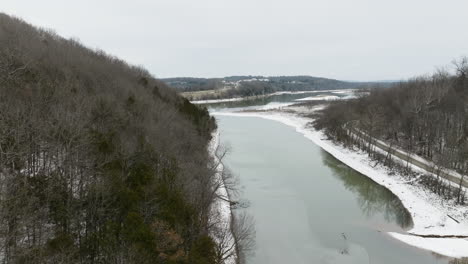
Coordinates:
(309, 207)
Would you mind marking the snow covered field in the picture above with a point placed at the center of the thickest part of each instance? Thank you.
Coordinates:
(429, 212)
(236, 99)
(318, 98)
(340, 91)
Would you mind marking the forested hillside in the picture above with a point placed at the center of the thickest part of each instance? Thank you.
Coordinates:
(99, 161)
(427, 116)
(240, 86)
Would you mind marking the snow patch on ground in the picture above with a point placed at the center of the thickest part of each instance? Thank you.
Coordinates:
(453, 247)
(429, 212)
(319, 98)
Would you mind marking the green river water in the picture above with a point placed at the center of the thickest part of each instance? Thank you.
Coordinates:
(309, 207)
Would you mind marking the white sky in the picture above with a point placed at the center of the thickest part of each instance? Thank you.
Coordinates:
(343, 39)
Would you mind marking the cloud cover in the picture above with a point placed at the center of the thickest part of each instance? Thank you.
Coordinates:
(343, 39)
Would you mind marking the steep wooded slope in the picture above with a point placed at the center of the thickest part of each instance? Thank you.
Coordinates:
(99, 161)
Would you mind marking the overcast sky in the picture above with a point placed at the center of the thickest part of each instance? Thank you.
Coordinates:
(343, 39)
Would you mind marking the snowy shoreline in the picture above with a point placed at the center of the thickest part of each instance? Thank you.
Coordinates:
(428, 211)
(222, 214)
(212, 101)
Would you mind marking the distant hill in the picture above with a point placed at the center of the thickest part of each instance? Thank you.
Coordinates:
(239, 86)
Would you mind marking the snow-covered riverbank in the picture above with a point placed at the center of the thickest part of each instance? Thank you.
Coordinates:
(221, 212)
(212, 101)
(429, 212)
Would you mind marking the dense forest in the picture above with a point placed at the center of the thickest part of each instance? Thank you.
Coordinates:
(427, 116)
(99, 161)
(241, 86)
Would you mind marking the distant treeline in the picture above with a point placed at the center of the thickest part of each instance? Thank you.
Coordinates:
(99, 161)
(241, 86)
(427, 116)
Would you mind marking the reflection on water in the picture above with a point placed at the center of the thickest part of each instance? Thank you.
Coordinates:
(372, 198)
